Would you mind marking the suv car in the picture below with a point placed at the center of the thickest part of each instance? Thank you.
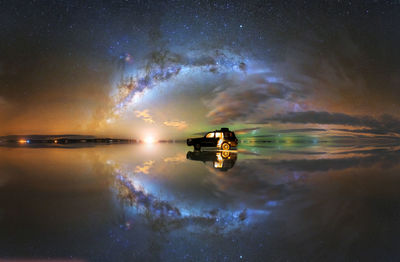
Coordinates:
(223, 139)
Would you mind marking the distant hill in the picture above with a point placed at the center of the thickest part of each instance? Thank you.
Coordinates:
(46, 137)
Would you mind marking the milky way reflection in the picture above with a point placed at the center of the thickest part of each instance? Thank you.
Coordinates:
(161, 202)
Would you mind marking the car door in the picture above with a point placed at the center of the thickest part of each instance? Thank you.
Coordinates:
(218, 136)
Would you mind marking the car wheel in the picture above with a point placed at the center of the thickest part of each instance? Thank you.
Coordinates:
(225, 154)
(197, 146)
(225, 146)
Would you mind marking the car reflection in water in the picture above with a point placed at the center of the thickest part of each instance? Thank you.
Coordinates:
(221, 160)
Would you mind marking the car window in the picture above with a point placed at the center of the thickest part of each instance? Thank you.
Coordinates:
(210, 135)
(218, 135)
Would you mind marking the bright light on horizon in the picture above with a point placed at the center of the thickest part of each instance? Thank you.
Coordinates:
(149, 140)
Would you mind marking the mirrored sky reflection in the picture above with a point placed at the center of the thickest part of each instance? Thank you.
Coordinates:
(161, 202)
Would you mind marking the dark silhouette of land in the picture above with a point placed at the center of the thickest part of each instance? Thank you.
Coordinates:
(70, 139)
(61, 139)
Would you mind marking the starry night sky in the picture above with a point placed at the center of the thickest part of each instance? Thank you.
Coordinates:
(174, 68)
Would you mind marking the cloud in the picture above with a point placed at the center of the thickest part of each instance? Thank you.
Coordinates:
(248, 97)
(384, 124)
(178, 124)
(363, 131)
(145, 168)
(145, 115)
(313, 117)
(245, 130)
(177, 158)
(301, 130)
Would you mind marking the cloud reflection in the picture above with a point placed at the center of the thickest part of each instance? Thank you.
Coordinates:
(145, 168)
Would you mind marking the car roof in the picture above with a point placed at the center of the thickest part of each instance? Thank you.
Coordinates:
(221, 130)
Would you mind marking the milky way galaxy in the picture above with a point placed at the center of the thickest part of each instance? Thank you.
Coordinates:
(177, 68)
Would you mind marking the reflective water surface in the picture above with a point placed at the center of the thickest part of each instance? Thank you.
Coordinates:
(165, 202)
